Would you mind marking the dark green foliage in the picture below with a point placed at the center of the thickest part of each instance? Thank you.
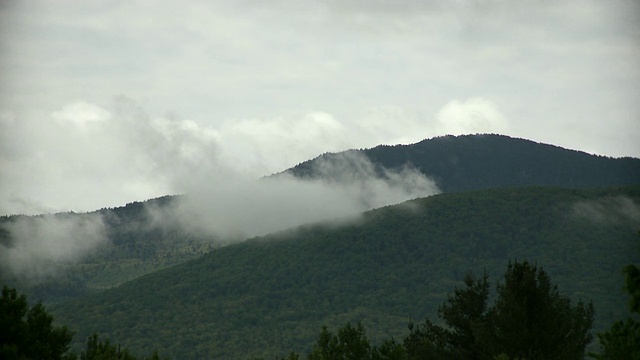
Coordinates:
(462, 313)
(103, 350)
(350, 343)
(622, 340)
(632, 284)
(531, 320)
(28, 333)
(472, 162)
(269, 294)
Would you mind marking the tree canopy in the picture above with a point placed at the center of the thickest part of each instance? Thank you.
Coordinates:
(529, 319)
(28, 333)
(622, 340)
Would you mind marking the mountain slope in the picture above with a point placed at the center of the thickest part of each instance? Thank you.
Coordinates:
(470, 162)
(270, 294)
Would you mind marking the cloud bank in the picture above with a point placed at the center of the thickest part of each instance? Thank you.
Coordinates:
(33, 247)
(239, 207)
(95, 151)
(89, 156)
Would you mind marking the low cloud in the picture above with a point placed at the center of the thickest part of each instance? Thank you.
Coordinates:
(84, 156)
(347, 184)
(610, 210)
(109, 156)
(32, 247)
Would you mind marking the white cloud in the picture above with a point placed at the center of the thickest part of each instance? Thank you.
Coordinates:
(81, 113)
(263, 146)
(475, 115)
(235, 207)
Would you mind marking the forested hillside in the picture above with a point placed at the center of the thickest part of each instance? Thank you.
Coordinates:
(271, 294)
(471, 162)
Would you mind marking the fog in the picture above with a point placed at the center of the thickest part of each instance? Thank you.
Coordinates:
(39, 243)
(610, 210)
(225, 200)
(347, 185)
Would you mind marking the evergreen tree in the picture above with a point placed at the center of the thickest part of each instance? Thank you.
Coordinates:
(350, 343)
(29, 333)
(462, 313)
(622, 341)
(531, 320)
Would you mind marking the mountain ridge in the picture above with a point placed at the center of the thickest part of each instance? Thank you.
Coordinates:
(459, 163)
(140, 244)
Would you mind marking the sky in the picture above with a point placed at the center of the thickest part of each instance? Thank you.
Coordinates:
(108, 102)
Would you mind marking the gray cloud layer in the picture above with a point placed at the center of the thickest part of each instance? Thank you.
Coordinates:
(255, 88)
(240, 208)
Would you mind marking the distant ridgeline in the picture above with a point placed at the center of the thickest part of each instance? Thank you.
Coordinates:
(470, 162)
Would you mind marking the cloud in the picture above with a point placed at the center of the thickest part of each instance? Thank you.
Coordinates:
(236, 208)
(272, 144)
(475, 115)
(90, 156)
(610, 210)
(34, 246)
(81, 114)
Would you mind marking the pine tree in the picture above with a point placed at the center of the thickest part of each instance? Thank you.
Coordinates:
(531, 320)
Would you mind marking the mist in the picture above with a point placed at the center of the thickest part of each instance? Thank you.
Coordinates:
(37, 245)
(610, 210)
(135, 156)
(346, 186)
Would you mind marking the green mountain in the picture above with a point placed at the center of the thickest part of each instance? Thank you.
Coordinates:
(271, 294)
(472, 162)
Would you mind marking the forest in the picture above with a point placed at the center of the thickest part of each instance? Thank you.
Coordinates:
(530, 319)
(258, 297)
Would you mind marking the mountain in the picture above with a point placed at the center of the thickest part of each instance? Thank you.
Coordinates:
(471, 162)
(271, 294)
(136, 242)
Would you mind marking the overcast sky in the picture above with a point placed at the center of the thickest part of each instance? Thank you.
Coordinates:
(108, 102)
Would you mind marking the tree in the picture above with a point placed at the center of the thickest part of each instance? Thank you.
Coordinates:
(350, 343)
(531, 320)
(103, 350)
(622, 341)
(462, 313)
(29, 333)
